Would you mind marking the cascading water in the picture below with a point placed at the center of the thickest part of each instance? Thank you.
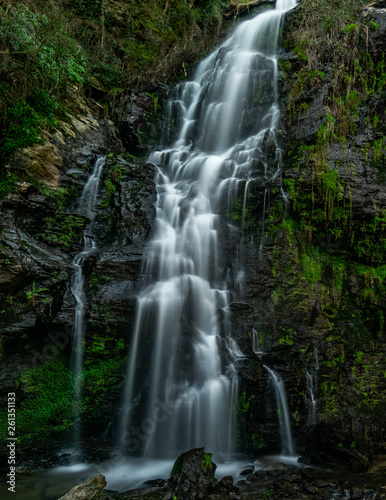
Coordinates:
(312, 384)
(283, 413)
(181, 385)
(256, 342)
(86, 207)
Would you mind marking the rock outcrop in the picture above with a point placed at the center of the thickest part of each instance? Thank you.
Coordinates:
(41, 231)
(314, 290)
(87, 491)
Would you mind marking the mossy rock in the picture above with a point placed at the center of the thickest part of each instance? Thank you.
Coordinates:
(195, 464)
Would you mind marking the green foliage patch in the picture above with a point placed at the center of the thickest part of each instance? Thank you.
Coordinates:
(47, 409)
(39, 63)
(8, 182)
(62, 230)
(49, 55)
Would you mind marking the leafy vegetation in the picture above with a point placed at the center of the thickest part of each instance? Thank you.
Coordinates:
(8, 182)
(48, 406)
(320, 29)
(40, 61)
(53, 51)
(62, 230)
(33, 293)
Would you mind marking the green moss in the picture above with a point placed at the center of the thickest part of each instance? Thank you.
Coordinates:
(61, 196)
(285, 67)
(350, 28)
(245, 403)
(32, 294)
(207, 463)
(62, 230)
(311, 266)
(287, 340)
(109, 192)
(300, 50)
(258, 441)
(47, 408)
(101, 378)
(8, 182)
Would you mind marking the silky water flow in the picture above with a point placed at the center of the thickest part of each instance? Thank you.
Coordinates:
(86, 207)
(181, 386)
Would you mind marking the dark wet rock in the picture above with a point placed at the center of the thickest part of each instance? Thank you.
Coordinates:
(242, 324)
(192, 477)
(296, 317)
(375, 19)
(249, 369)
(245, 472)
(225, 486)
(154, 482)
(40, 233)
(320, 484)
(328, 442)
(357, 493)
(195, 470)
(276, 483)
(285, 487)
(127, 214)
(64, 459)
(310, 488)
(139, 121)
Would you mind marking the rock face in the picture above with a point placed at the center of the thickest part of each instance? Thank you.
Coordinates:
(41, 232)
(43, 162)
(138, 124)
(314, 291)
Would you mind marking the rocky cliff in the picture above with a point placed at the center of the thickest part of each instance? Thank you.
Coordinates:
(41, 232)
(314, 290)
(312, 248)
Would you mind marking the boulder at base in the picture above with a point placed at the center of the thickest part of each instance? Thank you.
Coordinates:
(88, 490)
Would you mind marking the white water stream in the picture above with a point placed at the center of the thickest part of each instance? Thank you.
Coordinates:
(283, 413)
(86, 207)
(181, 387)
(312, 386)
(256, 348)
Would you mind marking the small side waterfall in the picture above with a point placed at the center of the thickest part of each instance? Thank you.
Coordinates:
(256, 342)
(181, 385)
(86, 207)
(283, 413)
(312, 384)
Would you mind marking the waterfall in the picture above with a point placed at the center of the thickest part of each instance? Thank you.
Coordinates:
(312, 384)
(86, 207)
(283, 413)
(256, 348)
(181, 386)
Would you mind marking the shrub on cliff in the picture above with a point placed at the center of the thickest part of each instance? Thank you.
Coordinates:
(39, 63)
